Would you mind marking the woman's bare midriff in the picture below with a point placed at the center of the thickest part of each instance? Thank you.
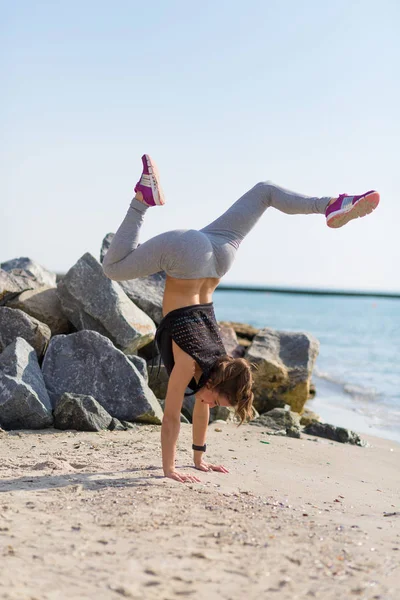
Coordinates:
(185, 292)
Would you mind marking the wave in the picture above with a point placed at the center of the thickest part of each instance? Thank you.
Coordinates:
(357, 392)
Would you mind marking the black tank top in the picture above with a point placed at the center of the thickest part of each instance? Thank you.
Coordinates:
(195, 330)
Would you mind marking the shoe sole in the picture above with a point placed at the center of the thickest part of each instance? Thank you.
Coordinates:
(361, 208)
(158, 194)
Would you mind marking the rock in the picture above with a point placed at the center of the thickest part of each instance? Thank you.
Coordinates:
(245, 334)
(80, 412)
(116, 425)
(281, 421)
(331, 432)
(309, 417)
(31, 268)
(146, 292)
(43, 304)
(15, 323)
(140, 364)
(284, 363)
(158, 379)
(293, 432)
(128, 425)
(105, 245)
(149, 352)
(24, 402)
(244, 342)
(90, 300)
(256, 414)
(11, 285)
(188, 407)
(87, 363)
(223, 413)
(242, 330)
(230, 342)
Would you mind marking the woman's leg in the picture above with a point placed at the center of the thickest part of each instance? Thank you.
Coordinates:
(241, 217)
(180, 253)
(124, 259)
(210, 252)
(188, 254)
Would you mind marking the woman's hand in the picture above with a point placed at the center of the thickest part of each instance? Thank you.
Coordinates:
(203, 466)
(182, 477)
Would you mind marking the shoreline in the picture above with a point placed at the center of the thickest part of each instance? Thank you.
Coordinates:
(340, 409)
(86, 515)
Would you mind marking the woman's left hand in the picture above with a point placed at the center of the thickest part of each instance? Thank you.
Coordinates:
(203, 466)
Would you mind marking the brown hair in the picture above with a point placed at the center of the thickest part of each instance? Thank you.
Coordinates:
(232, 377)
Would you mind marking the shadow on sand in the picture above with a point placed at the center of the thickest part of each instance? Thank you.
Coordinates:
(89, 481)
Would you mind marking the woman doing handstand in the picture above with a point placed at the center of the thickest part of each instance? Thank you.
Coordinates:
(194, 262)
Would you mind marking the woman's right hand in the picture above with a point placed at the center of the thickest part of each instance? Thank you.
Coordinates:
(182, 477)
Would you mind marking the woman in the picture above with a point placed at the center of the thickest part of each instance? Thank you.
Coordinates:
(194, 262)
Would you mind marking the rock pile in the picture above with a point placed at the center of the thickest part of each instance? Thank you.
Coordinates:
(80, 354)
(68, 351)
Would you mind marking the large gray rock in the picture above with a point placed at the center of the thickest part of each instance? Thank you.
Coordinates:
(280, 421)
(80, 412)
(12, 284)
(14, 323)
(43, 304)
(158, 378)
(146, 292)
(31, 268)
(87, 363)
(332, 432)
(230, 341)
(90, 300)
(242, 330)
(140, 364)
(24, 402)
(284, 363)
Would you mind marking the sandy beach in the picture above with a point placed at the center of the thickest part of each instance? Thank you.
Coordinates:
(89, 515)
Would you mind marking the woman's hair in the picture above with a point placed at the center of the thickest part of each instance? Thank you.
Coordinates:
(232, 377)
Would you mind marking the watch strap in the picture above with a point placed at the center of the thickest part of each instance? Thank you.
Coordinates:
(199, 448)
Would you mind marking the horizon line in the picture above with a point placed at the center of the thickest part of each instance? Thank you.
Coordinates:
(305, 291)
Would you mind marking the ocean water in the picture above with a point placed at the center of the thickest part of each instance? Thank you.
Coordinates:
(357, 372)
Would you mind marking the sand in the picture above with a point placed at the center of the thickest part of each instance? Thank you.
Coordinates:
(89, 516)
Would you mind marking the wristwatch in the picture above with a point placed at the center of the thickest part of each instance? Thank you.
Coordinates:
(199, 448)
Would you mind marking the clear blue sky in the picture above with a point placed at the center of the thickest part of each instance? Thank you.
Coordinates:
(222, 94)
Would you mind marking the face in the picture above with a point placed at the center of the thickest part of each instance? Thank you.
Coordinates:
(212, 398)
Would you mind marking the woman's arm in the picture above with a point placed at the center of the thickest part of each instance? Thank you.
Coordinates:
(201, 416)
(181, 375)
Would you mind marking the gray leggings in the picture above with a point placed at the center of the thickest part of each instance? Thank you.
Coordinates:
(193, 254)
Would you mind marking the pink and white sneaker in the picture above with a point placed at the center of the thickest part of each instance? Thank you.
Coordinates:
(346, 208)
(149, 183)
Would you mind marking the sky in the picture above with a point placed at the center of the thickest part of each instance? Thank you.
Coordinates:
(222, 94)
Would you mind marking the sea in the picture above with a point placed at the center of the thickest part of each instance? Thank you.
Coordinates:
(357, 372)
